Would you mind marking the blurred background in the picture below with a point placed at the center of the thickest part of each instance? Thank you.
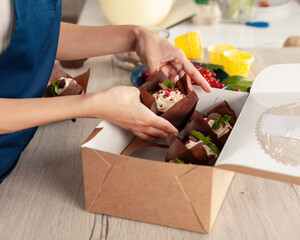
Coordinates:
(216, 20)
(223, 33)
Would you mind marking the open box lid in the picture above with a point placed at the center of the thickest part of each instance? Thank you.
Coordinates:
(265, 141)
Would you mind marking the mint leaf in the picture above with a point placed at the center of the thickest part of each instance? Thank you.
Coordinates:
(205, 141)
(237, 81)
(220, 121)
(226, 118)
(177, 160)
(212, 67)
(168, 84)
(216, 125)
(213, 147)
(53, 88)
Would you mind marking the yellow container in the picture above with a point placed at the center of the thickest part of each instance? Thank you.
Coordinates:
(191, 45)
(216, 53)
(237, 62)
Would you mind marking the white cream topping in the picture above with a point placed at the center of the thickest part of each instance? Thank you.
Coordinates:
(166, 99)
(67, 81)
(222, 130)
(189, 144)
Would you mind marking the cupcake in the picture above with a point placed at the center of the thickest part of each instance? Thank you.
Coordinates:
(175, 103)
(62, 84)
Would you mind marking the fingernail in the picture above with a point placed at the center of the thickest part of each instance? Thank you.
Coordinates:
(175, 134)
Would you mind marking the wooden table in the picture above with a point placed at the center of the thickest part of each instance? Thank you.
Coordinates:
(43, 198)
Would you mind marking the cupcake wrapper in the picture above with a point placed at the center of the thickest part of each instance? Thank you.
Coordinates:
(148, 100)
(185, 85)
(195, 115)
(72, 89)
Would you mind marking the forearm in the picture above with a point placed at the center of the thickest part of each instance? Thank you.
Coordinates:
(78, 42)
(19, 114)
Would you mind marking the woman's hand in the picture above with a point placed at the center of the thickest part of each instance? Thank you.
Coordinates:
(121, 105)
(158, 54)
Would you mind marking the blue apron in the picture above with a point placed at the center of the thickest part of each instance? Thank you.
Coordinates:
(26, 65)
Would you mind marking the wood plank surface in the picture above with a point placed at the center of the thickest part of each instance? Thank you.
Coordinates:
(43, 198)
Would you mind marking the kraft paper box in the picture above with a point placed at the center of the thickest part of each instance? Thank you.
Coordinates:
(128, 178)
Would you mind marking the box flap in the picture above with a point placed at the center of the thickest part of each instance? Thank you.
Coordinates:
(112, 138)
(278, 78)
(207, 101)
(251, 150)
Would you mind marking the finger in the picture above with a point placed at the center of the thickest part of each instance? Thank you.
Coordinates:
(163, 124)
(174, 79)
(144, 136)
(181, 73)
(169, 70)
(189, 68)
(155, 132)
(153, 66)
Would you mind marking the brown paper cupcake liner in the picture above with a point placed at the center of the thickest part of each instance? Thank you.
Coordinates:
(195, 115)
(73, 88)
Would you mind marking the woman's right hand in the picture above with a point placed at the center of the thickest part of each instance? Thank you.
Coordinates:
(121, 105)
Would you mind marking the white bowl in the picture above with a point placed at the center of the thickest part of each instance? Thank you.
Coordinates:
(149, 12)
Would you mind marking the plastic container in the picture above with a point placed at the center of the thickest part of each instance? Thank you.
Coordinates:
(191, 45)
(216, 53)
(237, 62)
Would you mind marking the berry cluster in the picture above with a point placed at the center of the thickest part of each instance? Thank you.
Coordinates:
(210, 77)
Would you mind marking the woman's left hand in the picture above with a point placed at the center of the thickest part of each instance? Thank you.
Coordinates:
(158, 54)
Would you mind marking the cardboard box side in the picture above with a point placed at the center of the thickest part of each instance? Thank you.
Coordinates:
(221, 181)
(95, 170)
(153, 192)
(199, 195)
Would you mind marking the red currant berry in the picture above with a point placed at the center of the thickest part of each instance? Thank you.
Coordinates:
(145, 73)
